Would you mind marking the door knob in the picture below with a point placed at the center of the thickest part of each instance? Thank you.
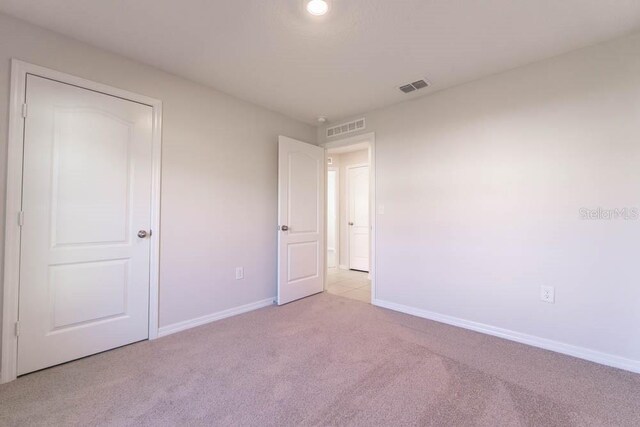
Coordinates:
(142, 234)
(350, 223)
(284, 228)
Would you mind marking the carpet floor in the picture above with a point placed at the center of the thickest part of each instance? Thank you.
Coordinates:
(326, 361)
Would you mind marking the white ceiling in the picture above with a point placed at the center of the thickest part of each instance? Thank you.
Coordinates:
(272, 53)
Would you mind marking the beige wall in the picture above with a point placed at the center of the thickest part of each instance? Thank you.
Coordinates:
(482, 185)
(219, 172)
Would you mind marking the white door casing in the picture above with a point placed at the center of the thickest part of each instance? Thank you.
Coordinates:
(369, 138)
(301, 211)
(358, 221)
(332, 218)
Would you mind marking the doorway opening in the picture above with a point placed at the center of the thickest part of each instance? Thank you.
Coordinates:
(349, 218)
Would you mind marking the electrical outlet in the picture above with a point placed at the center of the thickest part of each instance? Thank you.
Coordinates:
(547, 294)
(239, 273)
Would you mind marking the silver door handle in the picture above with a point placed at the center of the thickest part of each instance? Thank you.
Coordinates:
(284, 228)
(142, 234)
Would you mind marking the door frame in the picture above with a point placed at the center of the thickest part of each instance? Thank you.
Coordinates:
(337, 204)
(11, 294)
(347, 183)
(358, 139)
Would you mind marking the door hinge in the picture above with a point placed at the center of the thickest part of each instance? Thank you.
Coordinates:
(20, 218)
(17, 329)
(24, 110)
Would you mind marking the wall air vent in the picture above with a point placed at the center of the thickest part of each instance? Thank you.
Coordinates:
(407, 88)
(412, 87)
(345, 128)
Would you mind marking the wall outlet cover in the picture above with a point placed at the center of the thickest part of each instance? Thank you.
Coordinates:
(547, 294)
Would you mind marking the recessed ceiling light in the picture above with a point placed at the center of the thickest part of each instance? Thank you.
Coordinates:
(317, 7)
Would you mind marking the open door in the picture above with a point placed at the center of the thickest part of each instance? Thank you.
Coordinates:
(358, 195)
(301, 197)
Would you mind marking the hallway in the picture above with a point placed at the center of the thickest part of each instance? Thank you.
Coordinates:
(349, 283)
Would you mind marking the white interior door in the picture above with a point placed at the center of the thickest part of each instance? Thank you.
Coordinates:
(301, 211)
(358, 183)
(84, 274)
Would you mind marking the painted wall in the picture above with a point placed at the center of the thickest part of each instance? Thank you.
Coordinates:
(482, 187)
(344, 161)
(219, 171)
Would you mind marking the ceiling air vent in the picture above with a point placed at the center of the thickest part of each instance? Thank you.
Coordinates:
(411, 87)
(344, 128)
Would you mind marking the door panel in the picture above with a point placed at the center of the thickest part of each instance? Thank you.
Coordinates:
(301, 209)
(302, 261)
(303, 190)
(84, 275)
(90, 146)
(359, 218)
(106, 297)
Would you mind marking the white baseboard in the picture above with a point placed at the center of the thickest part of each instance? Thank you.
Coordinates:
(559, 347)
(343, 267)
(188, 324)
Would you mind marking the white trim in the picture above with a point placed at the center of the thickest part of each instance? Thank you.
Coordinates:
(19, 71)
(343, 267)
(336, 249)
(365, 137)
(558, 347)
(8, 370)
(371, 139)
(156, 188)
(188, 324)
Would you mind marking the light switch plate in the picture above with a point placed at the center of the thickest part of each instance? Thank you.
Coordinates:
(239, 273)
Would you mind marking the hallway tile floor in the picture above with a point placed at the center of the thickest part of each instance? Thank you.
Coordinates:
(349, 284)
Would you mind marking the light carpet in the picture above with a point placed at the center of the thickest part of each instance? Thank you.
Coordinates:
(325, 361)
